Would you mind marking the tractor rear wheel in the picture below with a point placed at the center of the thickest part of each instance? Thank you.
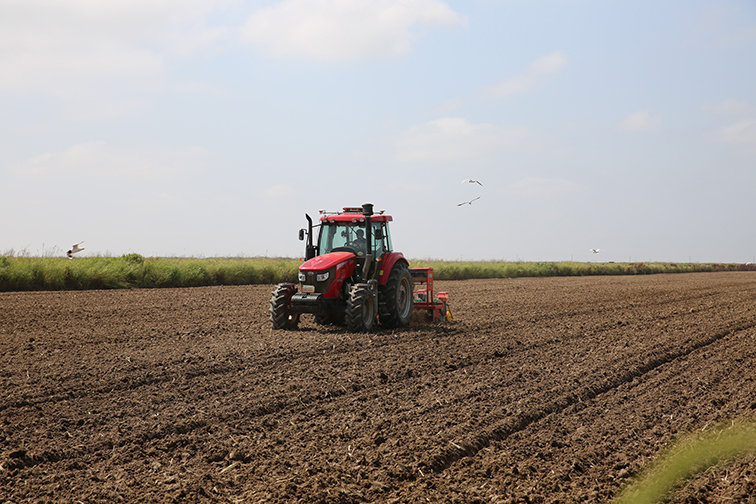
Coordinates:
(361, 310)
(396, 301)
(280, 315)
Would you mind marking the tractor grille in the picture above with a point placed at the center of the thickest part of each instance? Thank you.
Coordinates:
(311, 283)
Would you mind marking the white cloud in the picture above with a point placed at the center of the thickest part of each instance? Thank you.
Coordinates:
(549, 64)
(279, 191)
(642, 120)
(731, 107)
(542, 187)
(62, 49)
(101, 160)
(725, 24)
(451, 139)
(741, 133)
(534, 75)
(343, 30)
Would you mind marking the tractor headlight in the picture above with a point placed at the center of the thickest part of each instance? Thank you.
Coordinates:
(302, 277)
(322, 277)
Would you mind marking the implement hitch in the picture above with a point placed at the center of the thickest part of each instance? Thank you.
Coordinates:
(424, 298)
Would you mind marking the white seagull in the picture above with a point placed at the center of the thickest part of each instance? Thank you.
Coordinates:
(471, 181)
(595, 251)
(468, 202)
(74, 249)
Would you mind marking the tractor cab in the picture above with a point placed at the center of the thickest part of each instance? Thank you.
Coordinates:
(349, 231)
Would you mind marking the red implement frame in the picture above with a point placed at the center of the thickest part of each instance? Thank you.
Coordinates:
(425, 299)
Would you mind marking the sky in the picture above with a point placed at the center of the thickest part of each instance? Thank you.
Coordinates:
(209, 128)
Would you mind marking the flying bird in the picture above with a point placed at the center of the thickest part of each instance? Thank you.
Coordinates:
(74, 249)
(468, 202)
(595, 251)
(471, 181)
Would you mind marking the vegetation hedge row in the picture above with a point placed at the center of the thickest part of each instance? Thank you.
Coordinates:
(136, 271)
(452, 270)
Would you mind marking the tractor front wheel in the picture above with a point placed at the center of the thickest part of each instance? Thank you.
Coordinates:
(361, 310)
(280, 315)
(396, 302)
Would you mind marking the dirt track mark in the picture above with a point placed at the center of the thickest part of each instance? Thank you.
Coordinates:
(445, 460)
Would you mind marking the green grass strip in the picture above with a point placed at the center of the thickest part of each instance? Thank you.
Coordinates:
(685, 459)
(135, 271)
(458, 270)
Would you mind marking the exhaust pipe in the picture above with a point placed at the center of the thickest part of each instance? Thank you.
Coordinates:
(367, 211)
(309, 248)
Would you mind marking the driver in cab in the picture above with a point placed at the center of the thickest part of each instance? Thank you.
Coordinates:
(359, 242)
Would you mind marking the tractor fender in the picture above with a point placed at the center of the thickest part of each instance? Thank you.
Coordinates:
(387, 264)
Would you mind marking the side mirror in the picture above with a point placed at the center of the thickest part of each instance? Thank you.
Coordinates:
(379, 234)
(301, 235)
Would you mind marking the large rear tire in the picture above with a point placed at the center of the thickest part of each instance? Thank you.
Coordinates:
(280, 314)
(396, 301)
(361, 310)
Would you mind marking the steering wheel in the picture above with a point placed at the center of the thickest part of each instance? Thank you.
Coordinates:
(344, 249)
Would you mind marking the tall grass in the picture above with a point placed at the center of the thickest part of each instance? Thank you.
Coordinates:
(453, 270)
(134, 271)
(688, 457)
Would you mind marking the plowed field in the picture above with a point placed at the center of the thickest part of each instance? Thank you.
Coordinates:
(540, 390)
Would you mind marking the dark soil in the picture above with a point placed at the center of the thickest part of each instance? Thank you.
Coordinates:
(540, 390)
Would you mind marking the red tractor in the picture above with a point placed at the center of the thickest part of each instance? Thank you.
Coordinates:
(353, 276)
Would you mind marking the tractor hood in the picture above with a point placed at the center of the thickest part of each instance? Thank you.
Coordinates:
(327, 261)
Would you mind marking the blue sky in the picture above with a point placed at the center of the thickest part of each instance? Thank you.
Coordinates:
(209, 128)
